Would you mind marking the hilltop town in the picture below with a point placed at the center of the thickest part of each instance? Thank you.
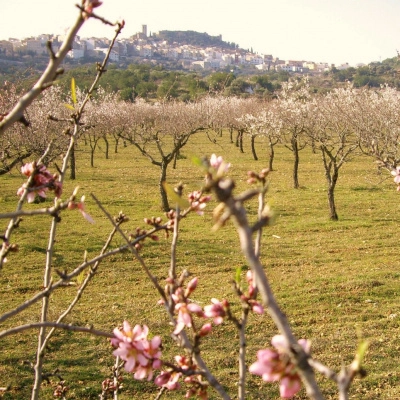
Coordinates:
(184, 50)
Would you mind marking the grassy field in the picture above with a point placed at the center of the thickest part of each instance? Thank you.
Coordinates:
(338, 282)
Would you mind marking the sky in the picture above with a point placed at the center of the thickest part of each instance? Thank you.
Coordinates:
(332, 31)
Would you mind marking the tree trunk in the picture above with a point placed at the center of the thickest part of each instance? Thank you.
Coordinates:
(231, 134)
(295, 148)
(239, 140)
(107, 147)
(93, 145)
(253, 148)
(332, 208)
(314, 148)
(331, 193)
(175, 159)
(271, 156)
(116, 144)
(72, 164)
(163, 194)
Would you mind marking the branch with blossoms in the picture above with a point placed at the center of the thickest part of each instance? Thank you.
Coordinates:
(15, 220)
(40, 181)
(184, 313)
(294, 356)
(289, 362)
(136, 241)
(175, 300)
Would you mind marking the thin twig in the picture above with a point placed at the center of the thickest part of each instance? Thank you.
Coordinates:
(47, 324)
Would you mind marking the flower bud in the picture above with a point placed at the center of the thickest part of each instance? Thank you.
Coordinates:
(205, 329)
(192, 285)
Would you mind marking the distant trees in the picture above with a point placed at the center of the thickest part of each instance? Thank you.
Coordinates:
(219, 81)
(335, 123)
(36, 130)
(262, 121)
(377, 125)
(193, 38)
(160, 131)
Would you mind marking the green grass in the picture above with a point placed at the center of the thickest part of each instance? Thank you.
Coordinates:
(337, 281)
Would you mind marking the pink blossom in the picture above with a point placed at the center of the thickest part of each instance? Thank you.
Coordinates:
(197, 201)
(216, 311)
(28, 169)
(396, 174)
(215, 161)
(183, 362)
(275, 365)
(31, 194)
(42, 181)
(81, 207)
(168, 379)
(268, 365)
(219, 164)
(184, 315)
(256, 307)
(141, 355)
(250, 281)
(280, 342)
(252, 294)
(183, 306)
(289, 385)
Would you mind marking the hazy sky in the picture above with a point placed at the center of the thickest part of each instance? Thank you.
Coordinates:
(334, 31)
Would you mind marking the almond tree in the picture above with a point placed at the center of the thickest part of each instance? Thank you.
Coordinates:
(97, 122)
(24, 140)
(13, 142)
(293, 112)
(42, 129)
(263, 122)
(119, 121)
(233, 108)
(377, 125)
(160, 131)
(332, 132)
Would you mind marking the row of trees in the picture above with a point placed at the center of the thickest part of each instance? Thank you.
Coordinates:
(340, 124)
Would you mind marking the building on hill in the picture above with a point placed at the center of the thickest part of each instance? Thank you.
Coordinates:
(6, 48)
(188, 48)
(198, 65)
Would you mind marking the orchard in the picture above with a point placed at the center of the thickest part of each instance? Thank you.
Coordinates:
(195, 249)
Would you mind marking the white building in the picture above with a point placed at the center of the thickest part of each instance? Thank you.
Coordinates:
(76, 54)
